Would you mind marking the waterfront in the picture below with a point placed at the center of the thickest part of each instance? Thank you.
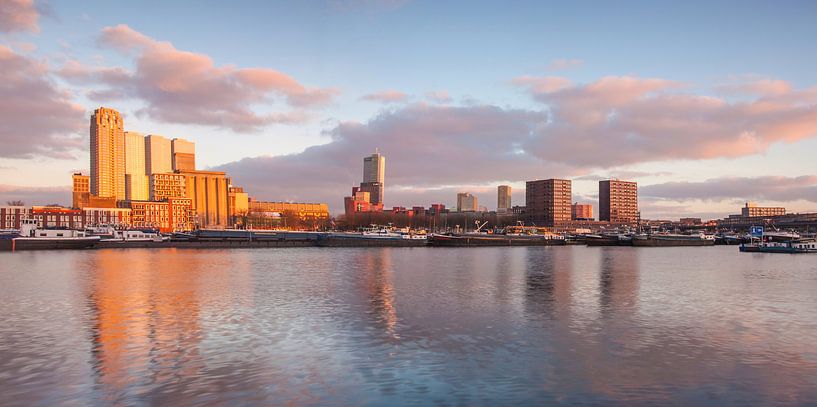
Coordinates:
(392, 326)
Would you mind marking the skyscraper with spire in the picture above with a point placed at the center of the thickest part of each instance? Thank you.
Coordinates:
(107, 154)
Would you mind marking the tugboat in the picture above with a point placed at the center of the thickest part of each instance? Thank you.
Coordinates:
(31, 237)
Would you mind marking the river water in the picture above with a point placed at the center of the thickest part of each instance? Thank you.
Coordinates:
(408, 326)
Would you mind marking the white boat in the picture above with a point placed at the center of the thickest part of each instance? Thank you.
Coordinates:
(33, 238)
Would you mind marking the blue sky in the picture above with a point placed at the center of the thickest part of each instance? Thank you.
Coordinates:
(474, 51)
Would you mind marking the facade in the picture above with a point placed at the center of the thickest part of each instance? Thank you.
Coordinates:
(164, 186)
(618, 201)
(360, 201)
(238, 203)
(466, 202)
(304, 211)
(582, 211)
(81, 190)
(59, 217)
(548, 202)
(183, 155)
(751, 210)
(158, 158)
(374, 177)
(107, 154)
(172, 215)
(208, 192)
(503, 198)
(136, 179)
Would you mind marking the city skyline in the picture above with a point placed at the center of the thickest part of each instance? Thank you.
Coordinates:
(702, 125)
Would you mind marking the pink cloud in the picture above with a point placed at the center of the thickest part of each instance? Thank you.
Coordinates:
(60, 195)
(624, 120)
(187, 87)
(386, 96)
(769, 188)
(36, 117)
(540, 85)
(18, 15)
(438, 96)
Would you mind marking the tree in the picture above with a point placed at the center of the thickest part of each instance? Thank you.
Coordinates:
(15, 203)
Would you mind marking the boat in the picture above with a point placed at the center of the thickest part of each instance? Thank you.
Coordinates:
(792, 246)
(373, 237)
(609, 239)
(491, 239)
(31, 237)
(673, 240)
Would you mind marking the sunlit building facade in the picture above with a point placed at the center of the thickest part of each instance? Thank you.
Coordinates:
(136, 179)
(107, 154)
(618, 201)
(548, 201)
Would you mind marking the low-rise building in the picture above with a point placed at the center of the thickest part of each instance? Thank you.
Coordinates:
(167, 185)
(171, 215)
(751, 210)
(582, 211)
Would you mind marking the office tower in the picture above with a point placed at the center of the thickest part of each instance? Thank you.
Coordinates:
(107, 154)
(80, 191)
(184, 154)
(618, 201)
(582, 211)
(467, 202)
(157, 155)
(547, 202)
(136, 180)
(167, 185)
(208, 191)
(374, 176)
(503, 200)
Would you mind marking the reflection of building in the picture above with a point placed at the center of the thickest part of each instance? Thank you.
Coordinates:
(503, 198)
(184, 155)
(81, 190)
(136, 180)
(466, 202)
(107, 154)
(157, 155)
(208, 192)
(751, 210)
(618, 201)
(172, 215)
(547, 202)
(582, 211)
(163, 186)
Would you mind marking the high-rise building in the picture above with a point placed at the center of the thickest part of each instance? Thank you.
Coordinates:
(107, 154)
(184, 155)
(466, 202)
(582, 211)
(208, 192)
(751, 210)
(165, 186)
(547, 202)
(158, 158)
(136, 179)
(503, 199)
(80, 191)
(374, 177)
(618, 201)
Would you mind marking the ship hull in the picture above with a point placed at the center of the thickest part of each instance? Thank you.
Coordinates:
(608, 242)
(497, 240)
(362, 241)
(658, 242)
(26, 243)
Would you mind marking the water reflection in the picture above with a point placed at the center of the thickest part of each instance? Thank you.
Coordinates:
(493, 326)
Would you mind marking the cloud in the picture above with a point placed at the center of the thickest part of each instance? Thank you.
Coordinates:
(623, 175)
(769, 188)
(18, 15)
(624, 120)
(757, 86)
(35, 195)
(386, 96)
(36, 117)
(564, 64)
(427, 147)
(438, 96)
(188, 88)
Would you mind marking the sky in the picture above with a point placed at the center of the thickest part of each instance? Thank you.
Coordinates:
(705, 104)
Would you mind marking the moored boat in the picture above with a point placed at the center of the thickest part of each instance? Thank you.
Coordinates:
(487, 239)
(372, 237)
(31, 237)
(673, 240)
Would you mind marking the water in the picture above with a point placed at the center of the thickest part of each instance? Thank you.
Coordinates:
(408, 326)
